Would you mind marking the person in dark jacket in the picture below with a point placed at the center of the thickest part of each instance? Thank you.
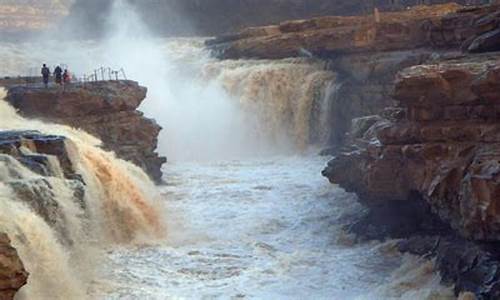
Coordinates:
(66, 77)
(45, 75)
(58, 74)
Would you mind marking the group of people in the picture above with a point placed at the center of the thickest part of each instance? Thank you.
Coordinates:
(60, 76)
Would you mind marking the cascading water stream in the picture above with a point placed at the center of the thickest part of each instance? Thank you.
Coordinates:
(249, 215)
(59, 241)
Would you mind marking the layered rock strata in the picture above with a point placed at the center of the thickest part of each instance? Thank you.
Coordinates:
(206, 18)
(436, 27)
(366, 52)
(107, 110)
(444, 148)
(47, 156)
(437, 149)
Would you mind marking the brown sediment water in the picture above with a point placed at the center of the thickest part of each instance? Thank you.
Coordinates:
(239, 226)
(288, 96)
(127, 209)
(60, 244)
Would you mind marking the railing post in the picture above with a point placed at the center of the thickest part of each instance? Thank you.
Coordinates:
(123, 72)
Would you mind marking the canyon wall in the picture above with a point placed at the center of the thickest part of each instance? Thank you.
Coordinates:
(367, 51)
(12, 273)
(182, 17)
(107, 110)
(25, 16)
(432, 161)
(414, 126)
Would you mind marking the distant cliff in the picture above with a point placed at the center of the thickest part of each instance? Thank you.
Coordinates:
(365, 52)
(30, 15)
(184, 17)
(104, 109)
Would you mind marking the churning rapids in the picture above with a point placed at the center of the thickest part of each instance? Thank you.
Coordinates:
(258, 225)
(248, 214)
(266, 228)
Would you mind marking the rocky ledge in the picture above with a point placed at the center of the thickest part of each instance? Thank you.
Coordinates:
(105, 109)
(49, 157)
(431, 165)
(475, 29)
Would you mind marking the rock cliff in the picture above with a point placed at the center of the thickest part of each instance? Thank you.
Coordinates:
(12, 273)
(107, 110)
(367, 51)
(183, 17)
(442, 147)
(426, 162)
(437, 149)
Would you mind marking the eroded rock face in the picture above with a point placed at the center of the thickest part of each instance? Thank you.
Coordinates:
(206, 18)
(366, 52)
(428, 170)
(104, 109)
(433, 27)
(30, 164)
(325, 36)
(446, 148)
(12, 273)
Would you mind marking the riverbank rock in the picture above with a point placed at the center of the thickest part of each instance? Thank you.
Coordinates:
(434, 27)
(473, 268)
(428, 170)
(12, 273)
(105, 109)
(444, 149)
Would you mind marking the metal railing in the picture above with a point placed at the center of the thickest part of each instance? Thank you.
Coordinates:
(103, 74)
(34, 77)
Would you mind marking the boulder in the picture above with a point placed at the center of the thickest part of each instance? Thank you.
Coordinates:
(105, 109)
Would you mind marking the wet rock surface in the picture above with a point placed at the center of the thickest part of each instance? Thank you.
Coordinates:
(46, 156)
(12, 273)
(441, 152)
(30, 162)
(469, 266)
(445, 149)
(107, 110)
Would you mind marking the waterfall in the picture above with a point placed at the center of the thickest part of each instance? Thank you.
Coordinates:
(209, 109)
(289, 98)
(59, 225)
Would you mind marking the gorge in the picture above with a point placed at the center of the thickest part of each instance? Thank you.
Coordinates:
(426, 167)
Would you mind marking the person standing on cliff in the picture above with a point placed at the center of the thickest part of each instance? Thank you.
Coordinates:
(45, 75)
(58, 74)
(66, 77)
